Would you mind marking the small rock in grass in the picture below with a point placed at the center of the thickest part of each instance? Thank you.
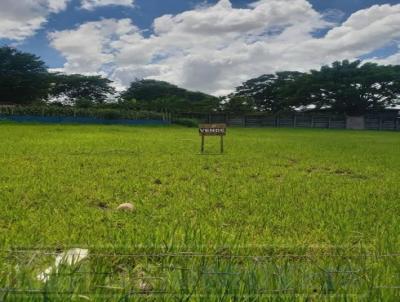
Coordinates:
(158, 182)
(126, 207)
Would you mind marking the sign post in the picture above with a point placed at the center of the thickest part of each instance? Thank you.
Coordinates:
(212, 130)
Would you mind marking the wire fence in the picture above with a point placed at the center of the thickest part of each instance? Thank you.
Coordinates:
(207, 255)
(356, 272)
(305, 292)
(272, 293)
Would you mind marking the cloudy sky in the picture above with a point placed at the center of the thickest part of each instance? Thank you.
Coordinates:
(211, 46)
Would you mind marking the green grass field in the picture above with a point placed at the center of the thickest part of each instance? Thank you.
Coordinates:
(285, 214)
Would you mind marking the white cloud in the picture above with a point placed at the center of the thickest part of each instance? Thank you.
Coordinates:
(20, 19)
(88, 48)
(91, 4)
(215, 48)
(56, 6)
(393, 59)
(363, 32)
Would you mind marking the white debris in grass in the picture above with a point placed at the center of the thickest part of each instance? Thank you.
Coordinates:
(70, 257)
(126, 207)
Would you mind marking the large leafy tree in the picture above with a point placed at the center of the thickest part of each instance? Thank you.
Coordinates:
(160, 95)
(234, 104)
(267, 91)
(348, 87)
(80, 89)
(150, 90)
(23, 77)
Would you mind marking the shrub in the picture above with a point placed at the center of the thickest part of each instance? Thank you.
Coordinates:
(109, 114)
(188, 122)
(68, 111)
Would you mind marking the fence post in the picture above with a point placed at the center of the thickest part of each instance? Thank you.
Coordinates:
(329, 122)
(312, 121)
(277, 121)
(380, 123)
(294, 121)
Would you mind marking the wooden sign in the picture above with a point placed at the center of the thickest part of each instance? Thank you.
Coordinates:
(212, 130)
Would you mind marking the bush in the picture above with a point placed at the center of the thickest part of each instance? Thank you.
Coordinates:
(68, 111)
(83, 103)
(188, 122)
(109, 114)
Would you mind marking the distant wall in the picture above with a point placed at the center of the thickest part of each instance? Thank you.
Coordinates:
(355, 122)
(322, 121)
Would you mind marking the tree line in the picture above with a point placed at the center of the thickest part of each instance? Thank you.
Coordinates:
(351, 88)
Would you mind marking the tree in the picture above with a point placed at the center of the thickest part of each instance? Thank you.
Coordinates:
(160, 95)
(129, 104)
(201, 102)
(150, 90)
(348, 87)
(80, 89)
(267, 91)
(23, 77)
(237, 104)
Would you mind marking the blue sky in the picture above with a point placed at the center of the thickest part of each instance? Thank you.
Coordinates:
(143, 14)
(46, 29)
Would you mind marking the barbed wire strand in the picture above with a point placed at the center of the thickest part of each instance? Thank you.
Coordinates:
(205, 255)
(298, 292)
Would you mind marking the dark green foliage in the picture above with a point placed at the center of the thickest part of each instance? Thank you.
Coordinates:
(110, 114)
(267, 91)
(237, 104)
(80, 89)
(347, 87)
(150, 90)
(130, 104)
(188, 122)
(63, 111)
(344, 87)
(23, 77)
(160, 96)
(83, 103)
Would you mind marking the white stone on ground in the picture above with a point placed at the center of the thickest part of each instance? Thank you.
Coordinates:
(70, 257)
(126, 207)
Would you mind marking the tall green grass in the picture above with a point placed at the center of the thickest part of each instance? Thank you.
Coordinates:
(284, 214)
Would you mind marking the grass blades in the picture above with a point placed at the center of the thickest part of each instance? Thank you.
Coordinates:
(284, 214)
